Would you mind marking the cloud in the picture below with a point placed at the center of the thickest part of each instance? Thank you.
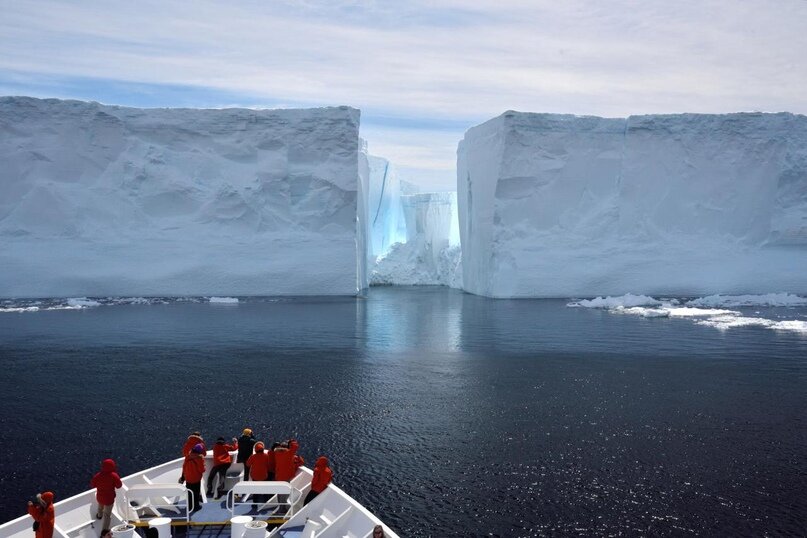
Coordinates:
(442, 60)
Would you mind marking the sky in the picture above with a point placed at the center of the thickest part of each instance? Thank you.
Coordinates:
(422, 72)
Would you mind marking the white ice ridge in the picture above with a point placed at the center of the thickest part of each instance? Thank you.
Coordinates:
(558, 205)
(223, 300)
(699, 309)
(101, 200)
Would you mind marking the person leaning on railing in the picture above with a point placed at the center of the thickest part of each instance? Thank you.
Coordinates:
(322, 477)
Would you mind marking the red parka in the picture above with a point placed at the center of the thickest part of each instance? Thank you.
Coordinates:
(193, 469)
(322, 475)
(106, 482)
(45, 515)
(221, 453)
(284, 463)
(192, 441)
(258, 464)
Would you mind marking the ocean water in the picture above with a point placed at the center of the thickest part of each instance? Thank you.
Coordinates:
(444, 413)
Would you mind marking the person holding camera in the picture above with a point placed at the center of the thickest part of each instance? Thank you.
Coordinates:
(41, 509)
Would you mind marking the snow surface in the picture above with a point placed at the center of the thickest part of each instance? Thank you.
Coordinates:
(101, 200)
(699, 311)
(223, 300)
(559, 206)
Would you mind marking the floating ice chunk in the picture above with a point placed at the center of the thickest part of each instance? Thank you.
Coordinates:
(82, 302)
(224, 300)
(730, 322)
(643, 311)
(20, 309)
(625, 301)
(687, 312)
(770, 299)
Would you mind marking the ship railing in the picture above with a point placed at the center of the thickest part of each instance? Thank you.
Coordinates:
(280, 495)
(162, 500)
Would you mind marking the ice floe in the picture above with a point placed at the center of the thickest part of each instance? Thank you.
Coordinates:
(704, 310)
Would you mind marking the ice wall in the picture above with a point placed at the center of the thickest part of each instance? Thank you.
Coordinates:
(103, 200)
(557, 205)
(387, 224)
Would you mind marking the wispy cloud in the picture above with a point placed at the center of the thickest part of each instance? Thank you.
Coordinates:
(450, 63)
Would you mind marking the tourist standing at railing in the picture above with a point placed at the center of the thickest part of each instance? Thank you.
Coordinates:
(43, 514)
(193, 469)
(284, 463)
(246, 444)
(221, 462)
(322, 477)
(106, 481)
(259, 469)
(271, 454)
(193, 439)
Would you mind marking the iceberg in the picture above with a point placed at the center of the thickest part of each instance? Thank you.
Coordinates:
(430, 254)
(386, 218)
(566, 206)
(102, 200)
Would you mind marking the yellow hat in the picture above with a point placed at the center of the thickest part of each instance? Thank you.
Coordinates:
(247, 431)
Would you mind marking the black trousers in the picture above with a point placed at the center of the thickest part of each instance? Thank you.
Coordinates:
(196, 488)
(221, 472)
(310, 497)
(246, 471)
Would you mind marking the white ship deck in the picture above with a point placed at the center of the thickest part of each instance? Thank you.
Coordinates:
(155, 492)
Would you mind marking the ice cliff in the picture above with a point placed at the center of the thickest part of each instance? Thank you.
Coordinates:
(386, 217)
(103, 200)
(559, 206)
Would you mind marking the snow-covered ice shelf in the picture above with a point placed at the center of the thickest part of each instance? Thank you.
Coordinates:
(558, 205)
(102, 200)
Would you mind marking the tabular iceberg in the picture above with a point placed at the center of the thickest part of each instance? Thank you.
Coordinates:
(558, 205)
(103, 200)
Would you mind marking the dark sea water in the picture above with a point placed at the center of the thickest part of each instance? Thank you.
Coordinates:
(444, 413)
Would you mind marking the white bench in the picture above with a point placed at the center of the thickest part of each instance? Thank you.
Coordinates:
(271, 488)
(156, 496)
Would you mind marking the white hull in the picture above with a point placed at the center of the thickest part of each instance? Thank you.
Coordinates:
(332, 514)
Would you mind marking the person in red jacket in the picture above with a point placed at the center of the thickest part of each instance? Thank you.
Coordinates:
(221, 462)
(284, 461)
(322, 477)
(297, 460)
(193, 439)
(106, 481)
(43, 514)
(193, 469)
(258, 464)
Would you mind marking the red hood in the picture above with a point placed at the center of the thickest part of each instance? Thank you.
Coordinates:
(108, 466)
(322, 462)
(47, 497)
